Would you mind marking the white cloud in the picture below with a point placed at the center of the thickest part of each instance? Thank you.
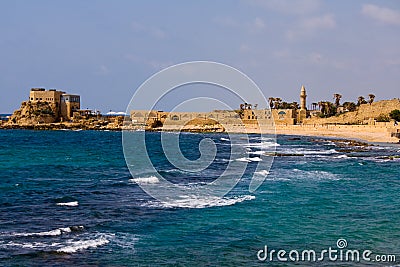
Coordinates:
(309, 26)
(382, 14)
(298, 7)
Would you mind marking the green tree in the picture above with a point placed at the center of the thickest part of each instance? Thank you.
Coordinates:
(371, 98)
(395, 115)
(337, 98)
(361, 100)
(383, 118)
(349, 106)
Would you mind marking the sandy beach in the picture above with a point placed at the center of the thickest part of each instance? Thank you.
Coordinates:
(368, 133)
(357, 132)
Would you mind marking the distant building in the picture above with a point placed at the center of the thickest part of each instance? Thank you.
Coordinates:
(247, 114)
(64, 105)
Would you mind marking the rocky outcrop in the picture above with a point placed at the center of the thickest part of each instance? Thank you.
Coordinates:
(194, 125)
(32, 113)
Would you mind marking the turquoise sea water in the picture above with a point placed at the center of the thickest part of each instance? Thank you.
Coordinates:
(68, 199)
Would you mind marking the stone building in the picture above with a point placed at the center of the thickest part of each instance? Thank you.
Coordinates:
(69, 105)
(64, 105)
(246, 114)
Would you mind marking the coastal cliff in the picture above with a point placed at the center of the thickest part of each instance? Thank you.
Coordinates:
(32, 113)
(43, 115)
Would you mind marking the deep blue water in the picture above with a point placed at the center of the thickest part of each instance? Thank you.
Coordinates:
(68, 199)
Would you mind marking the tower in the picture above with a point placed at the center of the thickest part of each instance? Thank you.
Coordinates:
(302, 114)
(303, 97)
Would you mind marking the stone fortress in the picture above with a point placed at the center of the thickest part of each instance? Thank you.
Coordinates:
(64, 105)
(46, 106)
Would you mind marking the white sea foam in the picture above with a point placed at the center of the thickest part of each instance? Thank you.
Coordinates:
(224, 139)
(244, 159)
(341, 157)
(145, 180)
(249, 159)
(73, 246)
(55, 232)
(308, 152)
(125, 240)
(68, 244)
(263, 144)
(196, 202)
(259, 152)
(314, 175)
(380, 159)
(69, 204)
(296, 175)
(262, 172)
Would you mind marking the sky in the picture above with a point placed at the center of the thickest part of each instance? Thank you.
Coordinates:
(104, 50)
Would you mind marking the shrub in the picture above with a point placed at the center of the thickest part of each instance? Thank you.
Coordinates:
(383, 118)
(395, 115)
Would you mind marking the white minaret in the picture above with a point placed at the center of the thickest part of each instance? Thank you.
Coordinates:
(303, 97)
(302, 113)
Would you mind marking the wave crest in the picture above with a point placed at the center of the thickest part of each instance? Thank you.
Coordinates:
(196, 202)
(145, 180)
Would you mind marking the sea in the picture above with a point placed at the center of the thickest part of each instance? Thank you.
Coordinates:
(68, 198)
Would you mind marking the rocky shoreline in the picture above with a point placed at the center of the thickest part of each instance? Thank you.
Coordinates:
(354, 138)
(59, 126)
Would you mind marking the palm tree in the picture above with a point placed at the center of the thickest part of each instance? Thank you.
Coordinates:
(327, 108)
(371, 98)
(322, 107)
(271, 102)
(337, 98)
(361, 100)
(295, 105)
(349, 106)
(277, 102)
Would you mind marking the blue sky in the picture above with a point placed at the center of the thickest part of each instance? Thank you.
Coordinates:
(104, 50)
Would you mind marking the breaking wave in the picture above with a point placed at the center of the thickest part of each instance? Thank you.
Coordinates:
(263, 144)
(249, 159)
(145, 180)
(72, 246)
(196, 202)
(69, 204)
(55, 232)
(302, 175)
